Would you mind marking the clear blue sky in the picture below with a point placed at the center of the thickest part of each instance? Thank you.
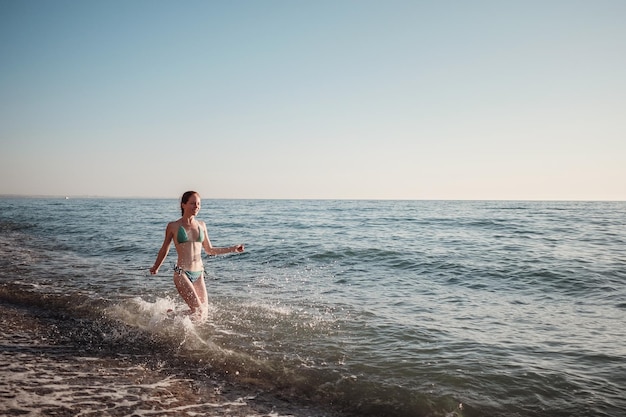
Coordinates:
(314, 99)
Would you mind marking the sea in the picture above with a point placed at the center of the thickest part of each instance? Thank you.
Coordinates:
(361, 308)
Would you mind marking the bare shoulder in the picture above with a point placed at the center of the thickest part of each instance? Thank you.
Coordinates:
(172, 226)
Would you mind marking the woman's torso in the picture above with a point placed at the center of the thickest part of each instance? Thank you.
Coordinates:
(188, 239)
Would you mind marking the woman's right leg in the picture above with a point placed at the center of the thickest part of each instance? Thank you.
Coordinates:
(187, 291)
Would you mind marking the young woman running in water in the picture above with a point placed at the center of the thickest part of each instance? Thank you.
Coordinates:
(190, 236)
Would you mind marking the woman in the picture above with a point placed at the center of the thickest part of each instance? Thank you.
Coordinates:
(190, 236)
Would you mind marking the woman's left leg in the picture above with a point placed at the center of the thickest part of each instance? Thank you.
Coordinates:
(201, 292)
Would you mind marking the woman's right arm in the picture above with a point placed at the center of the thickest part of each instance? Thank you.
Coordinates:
(165, 248)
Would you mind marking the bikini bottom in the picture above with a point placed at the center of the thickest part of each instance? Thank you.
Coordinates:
(193, 276)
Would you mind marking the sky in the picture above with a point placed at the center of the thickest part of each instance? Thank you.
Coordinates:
(321, 99)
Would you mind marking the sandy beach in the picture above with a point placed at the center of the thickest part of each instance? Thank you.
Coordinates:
(43, 373)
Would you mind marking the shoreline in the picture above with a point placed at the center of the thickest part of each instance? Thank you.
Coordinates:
(44, 373)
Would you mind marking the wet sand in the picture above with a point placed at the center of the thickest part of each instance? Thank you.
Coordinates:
(42, 373)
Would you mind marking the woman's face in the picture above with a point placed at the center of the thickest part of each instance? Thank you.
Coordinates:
(192, 206)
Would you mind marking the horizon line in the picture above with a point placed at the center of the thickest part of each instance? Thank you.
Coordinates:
(95, 196)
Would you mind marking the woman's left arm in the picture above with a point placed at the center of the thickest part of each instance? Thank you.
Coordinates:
(211, 250)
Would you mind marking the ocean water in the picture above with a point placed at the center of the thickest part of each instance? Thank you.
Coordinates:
(374, 308)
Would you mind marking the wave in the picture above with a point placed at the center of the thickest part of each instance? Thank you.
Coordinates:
(158, 332)
(12, 226)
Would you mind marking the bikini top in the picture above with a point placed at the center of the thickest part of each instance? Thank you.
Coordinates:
(182, 237)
